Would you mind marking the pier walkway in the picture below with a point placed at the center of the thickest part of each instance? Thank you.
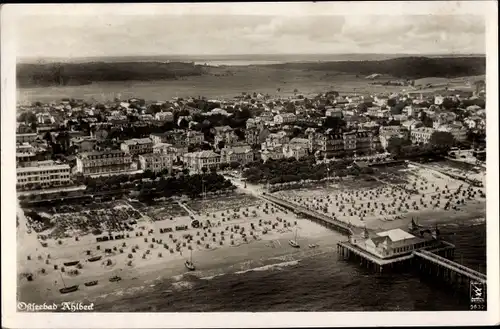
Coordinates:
(318, 217)
(451, 266)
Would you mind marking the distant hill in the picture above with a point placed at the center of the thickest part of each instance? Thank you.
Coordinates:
(405, 67)
(62, 74)
(58, 74)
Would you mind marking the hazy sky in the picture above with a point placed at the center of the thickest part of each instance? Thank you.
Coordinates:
(122, 35)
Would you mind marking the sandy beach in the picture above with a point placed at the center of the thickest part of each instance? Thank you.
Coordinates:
(232, 233)
(225, 245)
(393, 199)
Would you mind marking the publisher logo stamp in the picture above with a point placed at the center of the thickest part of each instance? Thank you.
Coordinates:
(477, 296)
(477, 291)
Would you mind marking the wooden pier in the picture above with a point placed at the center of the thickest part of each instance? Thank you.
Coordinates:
(317, 217)
(429, 262)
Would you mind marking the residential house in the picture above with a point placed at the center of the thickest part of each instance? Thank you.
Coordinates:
(443, 119)
(256, 136)
(195, 161)
(26, 138)
(274, 153)
(330, 143)
(25, 159)
(172, 137)
(381, 100)
(275, 139)
(194, 137)
(178, 150)
(241, 154)
(459, 132)
(84, 144)
(399, 117)
(335, 112)
(297, 148)
(224, 134)
(387, 132)
(156, 162)
(164, 116)
(137, 146)
(421, 135)
(373, 111)
(285, 118)
(45, 118)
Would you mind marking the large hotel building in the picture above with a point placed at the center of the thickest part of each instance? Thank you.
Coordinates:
(43, 174)
(105, 162)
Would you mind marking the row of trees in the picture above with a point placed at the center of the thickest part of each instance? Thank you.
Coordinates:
(290, 170)
(439, 144)
(149, 184)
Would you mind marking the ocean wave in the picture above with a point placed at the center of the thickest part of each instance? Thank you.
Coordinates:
(178, 277)
(269, 267)
(181, 285)
(211, 277)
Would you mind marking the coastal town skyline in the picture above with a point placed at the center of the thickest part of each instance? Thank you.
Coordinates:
(230, 159)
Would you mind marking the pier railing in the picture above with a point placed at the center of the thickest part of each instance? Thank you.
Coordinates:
(336, 224)
(451, 265)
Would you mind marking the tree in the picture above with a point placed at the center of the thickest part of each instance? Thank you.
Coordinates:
(27, 117)
(48, 137)
(363, 107)
(234, 164)
(395, 145)
(334, 123)
(148, 173)
(204, 170)
(221, 145)
(391, 102)
(426, 121)
(398, 108)
(442, 139)
(449, 103)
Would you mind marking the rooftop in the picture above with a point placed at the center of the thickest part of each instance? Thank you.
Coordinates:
(43, 167)
(396, 234)
(87, 154)
(135, 141)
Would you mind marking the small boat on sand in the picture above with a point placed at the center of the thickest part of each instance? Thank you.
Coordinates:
(313, 245)
(94, 259)
(91, 283)
(66, 290)
(189, 263)
(115, 278)
(72, 263)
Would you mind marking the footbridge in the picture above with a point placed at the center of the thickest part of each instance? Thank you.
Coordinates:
(322, 219)
(448, 268)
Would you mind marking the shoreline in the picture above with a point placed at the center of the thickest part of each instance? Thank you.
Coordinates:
(222, 261)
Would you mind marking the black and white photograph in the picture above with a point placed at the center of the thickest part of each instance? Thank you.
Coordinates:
(250, 157)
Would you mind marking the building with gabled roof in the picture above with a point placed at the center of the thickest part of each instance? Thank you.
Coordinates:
(136, 146)
(241, 154)
(392, 243)
(195, 161)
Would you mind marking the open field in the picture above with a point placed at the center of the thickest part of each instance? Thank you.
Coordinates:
(397, 195)
(230, 82)
(150, 248)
